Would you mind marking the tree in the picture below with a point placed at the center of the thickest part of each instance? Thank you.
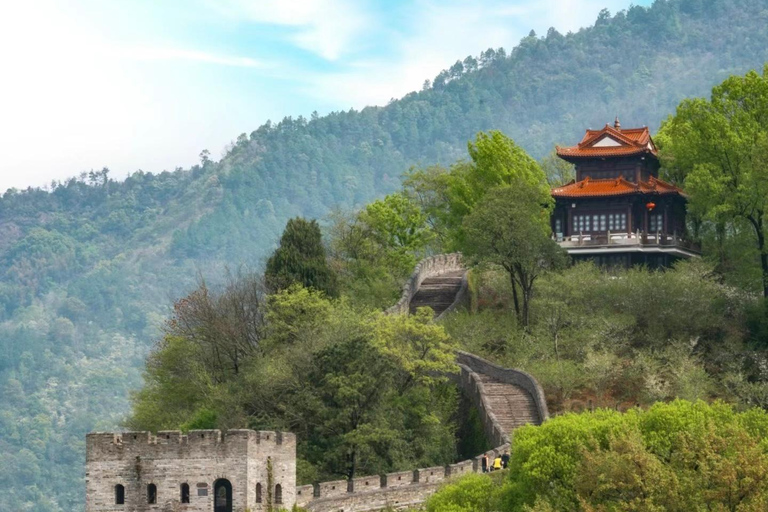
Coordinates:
(720, 148)
(675, 456)
(558, 171)
(399, 227)
(300, 258)
(447, 197)
(510, 228)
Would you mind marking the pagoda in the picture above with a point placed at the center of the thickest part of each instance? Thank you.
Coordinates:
(617, 211)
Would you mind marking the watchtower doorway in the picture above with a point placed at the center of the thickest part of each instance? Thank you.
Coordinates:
(222, 496)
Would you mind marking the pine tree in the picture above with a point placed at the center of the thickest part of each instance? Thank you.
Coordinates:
(300, 259)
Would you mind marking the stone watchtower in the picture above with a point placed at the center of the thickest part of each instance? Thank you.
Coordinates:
(203, 471)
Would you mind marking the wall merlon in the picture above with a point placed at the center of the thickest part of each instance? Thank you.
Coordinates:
(429, 475)
(366, 483)
(333, 488)
(304, 494)
(398, 479)
(461, 468)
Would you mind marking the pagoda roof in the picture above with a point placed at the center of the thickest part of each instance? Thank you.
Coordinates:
(615, 187)
(611, 141)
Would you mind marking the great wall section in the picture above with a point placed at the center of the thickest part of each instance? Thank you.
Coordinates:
(259, 468)
(505, 399)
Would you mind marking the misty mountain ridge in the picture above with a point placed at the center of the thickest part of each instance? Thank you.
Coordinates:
(90, 266)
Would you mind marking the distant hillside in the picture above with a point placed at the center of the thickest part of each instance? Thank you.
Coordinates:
(88, 268)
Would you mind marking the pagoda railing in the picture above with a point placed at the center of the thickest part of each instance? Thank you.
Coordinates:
(639, 238)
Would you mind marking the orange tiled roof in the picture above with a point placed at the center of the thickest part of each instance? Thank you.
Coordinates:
(615, 187)
(632, 141)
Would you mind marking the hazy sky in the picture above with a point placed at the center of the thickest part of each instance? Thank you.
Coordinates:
(148, 84)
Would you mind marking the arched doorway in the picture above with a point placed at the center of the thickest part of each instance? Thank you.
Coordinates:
(222, 496)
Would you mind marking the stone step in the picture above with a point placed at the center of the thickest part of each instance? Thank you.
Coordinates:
(512, 405)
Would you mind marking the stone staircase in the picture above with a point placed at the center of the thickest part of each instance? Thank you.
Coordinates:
(438, 292)
(512, 405)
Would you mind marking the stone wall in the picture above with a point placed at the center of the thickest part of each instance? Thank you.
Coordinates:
(461, 300)
(136, 460)
(428, 267)
(472, 387)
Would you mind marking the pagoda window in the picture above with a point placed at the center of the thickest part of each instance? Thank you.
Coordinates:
(558, 227)
(581, 223)
(655, 222)
(617, 221)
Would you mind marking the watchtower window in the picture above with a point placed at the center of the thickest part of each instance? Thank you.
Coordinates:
(278, 494)
(185, 493)
(119, 495)
(258, 493)
(151, 494)
(202, 489)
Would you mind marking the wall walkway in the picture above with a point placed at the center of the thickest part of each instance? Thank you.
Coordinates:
(505, 398)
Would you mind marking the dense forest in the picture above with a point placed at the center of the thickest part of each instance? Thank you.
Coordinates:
(90, 265)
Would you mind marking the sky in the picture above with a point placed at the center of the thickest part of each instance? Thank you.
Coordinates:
(148, 84)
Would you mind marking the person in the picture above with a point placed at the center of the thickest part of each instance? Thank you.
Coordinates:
(485, 463)
(497, 463)
(505, 460)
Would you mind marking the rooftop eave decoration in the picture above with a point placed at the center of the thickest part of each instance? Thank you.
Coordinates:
(629, 142)
(615, 187)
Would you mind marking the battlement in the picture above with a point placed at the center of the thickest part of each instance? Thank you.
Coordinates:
(173, 444)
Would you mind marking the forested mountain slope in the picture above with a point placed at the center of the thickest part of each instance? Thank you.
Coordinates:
(88, 268)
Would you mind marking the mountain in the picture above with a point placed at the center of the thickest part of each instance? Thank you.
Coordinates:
(89, 266)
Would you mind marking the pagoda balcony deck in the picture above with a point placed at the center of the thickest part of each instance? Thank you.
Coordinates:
(642, 242)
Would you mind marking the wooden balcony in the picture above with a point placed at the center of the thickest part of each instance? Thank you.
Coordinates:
(604, 243)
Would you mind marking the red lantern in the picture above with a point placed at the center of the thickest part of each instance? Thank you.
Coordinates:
(650, 206)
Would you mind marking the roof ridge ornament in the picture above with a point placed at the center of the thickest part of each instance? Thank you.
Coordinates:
(617, 124)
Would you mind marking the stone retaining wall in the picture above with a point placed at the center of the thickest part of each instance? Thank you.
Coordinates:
(428, 267)
(507, 375)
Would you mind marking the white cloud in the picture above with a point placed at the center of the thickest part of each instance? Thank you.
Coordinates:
(150, 53)
(328, 28)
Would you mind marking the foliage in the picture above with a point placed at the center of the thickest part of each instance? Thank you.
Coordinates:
(363, 391)
(300, 259)
(617, 337)
(676, 456)
(679, 456)
(558, 171)
(720, 148)
(472, 493)
(375, 249)
(449, 196)
(510, 228)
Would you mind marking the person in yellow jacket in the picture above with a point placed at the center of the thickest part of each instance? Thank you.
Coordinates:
(497, 463)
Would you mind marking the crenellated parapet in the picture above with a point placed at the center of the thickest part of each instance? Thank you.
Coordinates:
(173, 444)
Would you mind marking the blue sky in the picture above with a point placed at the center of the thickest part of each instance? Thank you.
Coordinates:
(148, 84)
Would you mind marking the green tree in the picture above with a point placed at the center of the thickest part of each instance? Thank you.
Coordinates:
(300, 258)
(510, 228)
(720, 147)
(558, 171)
(399, 227)
(447, 197)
